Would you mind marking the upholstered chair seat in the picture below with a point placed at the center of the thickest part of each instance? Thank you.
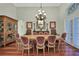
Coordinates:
(40, 44)
(51, 42)
(18, 42)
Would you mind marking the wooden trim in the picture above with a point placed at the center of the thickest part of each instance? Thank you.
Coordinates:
(8, 17)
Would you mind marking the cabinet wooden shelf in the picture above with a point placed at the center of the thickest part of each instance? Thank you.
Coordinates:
(9, 41)
(8, 27)
(1, 33)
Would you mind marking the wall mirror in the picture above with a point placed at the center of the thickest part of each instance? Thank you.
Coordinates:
(40, 24)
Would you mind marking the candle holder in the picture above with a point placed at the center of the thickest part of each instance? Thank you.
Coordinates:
(34, 26)
(47, 26)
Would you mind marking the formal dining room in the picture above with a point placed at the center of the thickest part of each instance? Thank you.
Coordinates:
(39, 29)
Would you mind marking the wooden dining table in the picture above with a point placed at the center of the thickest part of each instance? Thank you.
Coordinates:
(34, 37)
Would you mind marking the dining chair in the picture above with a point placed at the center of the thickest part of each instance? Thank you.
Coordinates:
(26, 44)
(58, 43)
(18, 42)
(29, 32)
(61, 41)
(63, 35)
(63, 44)
(40, 44)
(51, 42)
(53, 32)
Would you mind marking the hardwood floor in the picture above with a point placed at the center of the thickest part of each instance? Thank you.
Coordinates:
(65, 50)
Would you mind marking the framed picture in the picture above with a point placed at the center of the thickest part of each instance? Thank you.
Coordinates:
(29, 25)
(52, 24)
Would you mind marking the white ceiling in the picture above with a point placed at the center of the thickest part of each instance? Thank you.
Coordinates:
(37, 4)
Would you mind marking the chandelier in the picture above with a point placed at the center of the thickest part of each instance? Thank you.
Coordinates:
(41, 15)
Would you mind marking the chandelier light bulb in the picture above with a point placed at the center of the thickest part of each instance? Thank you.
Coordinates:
(36, 15)
(39, 10)
(43, 11)
(45, 14)
(42, 17)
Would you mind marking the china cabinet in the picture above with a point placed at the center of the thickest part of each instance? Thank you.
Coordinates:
(8, 27)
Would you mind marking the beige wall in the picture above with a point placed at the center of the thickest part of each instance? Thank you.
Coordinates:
(8, 10)
(25, 14)
(63, 14)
